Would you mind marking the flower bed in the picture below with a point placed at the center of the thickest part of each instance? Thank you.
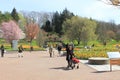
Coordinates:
(75, 49)
(27, 47)
(86, 55)
(95, 52)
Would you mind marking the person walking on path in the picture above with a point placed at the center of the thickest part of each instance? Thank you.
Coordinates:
(31, 48)
(20, 51)
(2, 50)
(50, 50)
(69, 55)
(59, 49)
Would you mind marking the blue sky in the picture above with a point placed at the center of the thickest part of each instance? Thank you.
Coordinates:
(85, 8)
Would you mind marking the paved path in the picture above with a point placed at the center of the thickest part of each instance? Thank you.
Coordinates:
(39, 66)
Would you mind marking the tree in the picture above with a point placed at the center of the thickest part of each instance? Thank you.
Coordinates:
(47, 27)
(38, 17)
(31, 30)
(66, 14)
(11, 31)
(80, 29)
(1, 33)
(56, 23)
(58, 20)
(5, 17)
(101, 31)
(112, 2)
(118, 35)
(0, 17)
(14, 15)
(111, 34)
(22, 22)
(106, 31)
(41, 37)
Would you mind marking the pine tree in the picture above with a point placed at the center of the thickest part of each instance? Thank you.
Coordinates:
(14, 14)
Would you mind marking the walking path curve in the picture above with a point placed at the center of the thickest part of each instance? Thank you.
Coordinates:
(37, 65)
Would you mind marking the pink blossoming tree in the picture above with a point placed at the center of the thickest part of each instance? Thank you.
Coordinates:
(11, 31)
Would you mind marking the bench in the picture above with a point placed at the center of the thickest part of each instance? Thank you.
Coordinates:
(98, 60)
(114, 58)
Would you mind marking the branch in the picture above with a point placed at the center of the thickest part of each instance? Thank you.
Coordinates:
(111, 2)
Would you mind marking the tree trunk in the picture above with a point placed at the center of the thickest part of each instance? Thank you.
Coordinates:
(78, 41)
(11, 44)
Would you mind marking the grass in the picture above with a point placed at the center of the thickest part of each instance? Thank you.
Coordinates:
(25, 44)
(80, 52)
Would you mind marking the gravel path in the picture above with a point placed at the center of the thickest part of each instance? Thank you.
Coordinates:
(38, 65)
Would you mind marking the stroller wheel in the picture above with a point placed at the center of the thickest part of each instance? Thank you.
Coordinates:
(77, 67)
(73, 67)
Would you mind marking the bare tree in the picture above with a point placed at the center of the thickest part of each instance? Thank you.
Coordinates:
(38, 17)
(112, 2)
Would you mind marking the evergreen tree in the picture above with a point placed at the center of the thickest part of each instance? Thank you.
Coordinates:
(14, 14)
(58, 20)
(66, 15)
(47, 27)
(56, 23)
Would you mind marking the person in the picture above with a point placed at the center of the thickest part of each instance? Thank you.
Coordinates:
(20, 51)
(69, 56)
(50, 50)
(117, 46)
(31, 48)
(59, 49)
(72, 44)
(2, 50)
(92, 45)
(104, 43)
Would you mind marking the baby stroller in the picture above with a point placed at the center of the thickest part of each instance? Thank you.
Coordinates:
(75, 62)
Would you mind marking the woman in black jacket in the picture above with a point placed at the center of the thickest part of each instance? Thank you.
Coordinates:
(69, 55)
(2, 50)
